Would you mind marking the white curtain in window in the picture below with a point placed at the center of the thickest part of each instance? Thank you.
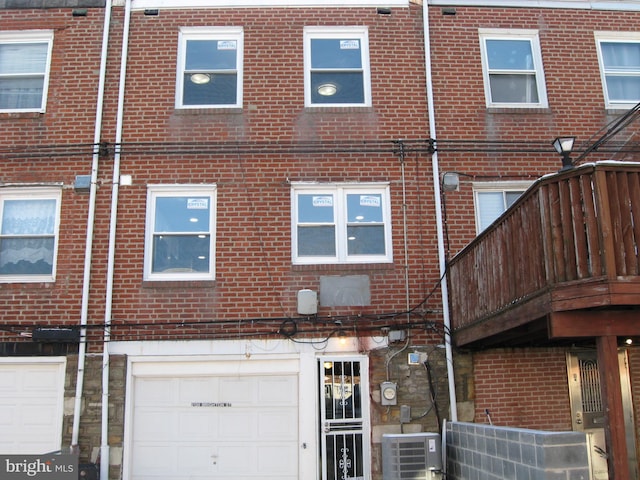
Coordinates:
(28, 236)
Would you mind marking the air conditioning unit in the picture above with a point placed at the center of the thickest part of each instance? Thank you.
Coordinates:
(411, 456)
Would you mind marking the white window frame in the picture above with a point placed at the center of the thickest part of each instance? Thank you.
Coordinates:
(334, 33)
(494, 187)
(538, 70)
(615, 37)
(181, 190)
(31, 36)
(234, 34)
(340, 192)
(34, 193)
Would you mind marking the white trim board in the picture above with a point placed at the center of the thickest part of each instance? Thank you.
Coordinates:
(189, 4)
(623, 5)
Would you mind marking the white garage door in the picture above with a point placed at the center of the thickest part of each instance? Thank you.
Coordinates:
(215, 427)
(31, 405)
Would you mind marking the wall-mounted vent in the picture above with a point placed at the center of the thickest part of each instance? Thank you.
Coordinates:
(411, 456)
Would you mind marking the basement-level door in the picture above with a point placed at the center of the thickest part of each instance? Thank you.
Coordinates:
(344, 418)
(587, 409)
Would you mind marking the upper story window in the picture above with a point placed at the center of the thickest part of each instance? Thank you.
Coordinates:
(25, 58)
(347, 223)
(210, 68)
(512, 68)
(337, 66)
(30, 219)
(493, 198)
(619, 57)
(180, 233)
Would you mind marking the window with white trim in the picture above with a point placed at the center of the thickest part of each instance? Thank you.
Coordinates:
(619, 58)
(30, 222)
(512, 69)
(337, 66)
(180, 232)
(210, 67)
(346, 223)
(25, 59)
(492, 199)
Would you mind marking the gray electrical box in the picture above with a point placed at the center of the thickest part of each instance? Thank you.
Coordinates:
(307, 302)
(412, 456)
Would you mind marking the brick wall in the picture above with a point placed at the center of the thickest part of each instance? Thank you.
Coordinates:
(522, 388)
(255, 278)
(54, 147)
(479, 142)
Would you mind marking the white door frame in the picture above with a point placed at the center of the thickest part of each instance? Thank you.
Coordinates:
(344, 423)
(238, 365)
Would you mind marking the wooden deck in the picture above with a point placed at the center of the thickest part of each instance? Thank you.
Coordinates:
(561, 263)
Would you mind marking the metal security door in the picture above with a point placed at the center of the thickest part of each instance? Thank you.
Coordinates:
(344, 418)
(587, 409)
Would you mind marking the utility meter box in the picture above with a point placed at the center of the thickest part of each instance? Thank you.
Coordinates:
(307, 302)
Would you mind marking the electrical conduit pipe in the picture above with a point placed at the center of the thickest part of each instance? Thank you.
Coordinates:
(104, 446)
(438, 206)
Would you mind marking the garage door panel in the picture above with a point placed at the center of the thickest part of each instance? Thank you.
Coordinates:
(237, 458)
(198, 459)
(197, 424)
(200, 389)
(237, 425)
(155, 392)
(156, 425)
(222, 428)
(8, 381)
(155, 459)
(278, 391)
(39, 380)
(238, 391)
(8, 414)
(38, 414)
(31, 405)
(274, 459)
(278, 425)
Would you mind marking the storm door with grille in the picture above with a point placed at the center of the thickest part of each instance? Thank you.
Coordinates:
(344, 418)
(587, 409)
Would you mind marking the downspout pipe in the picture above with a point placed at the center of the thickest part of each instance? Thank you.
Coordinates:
(439, 223)
(84, 310)
(104, 445)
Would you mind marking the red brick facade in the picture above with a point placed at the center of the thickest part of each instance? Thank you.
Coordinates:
(253, 155)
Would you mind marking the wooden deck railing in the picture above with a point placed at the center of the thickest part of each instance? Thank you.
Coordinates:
(577, 226)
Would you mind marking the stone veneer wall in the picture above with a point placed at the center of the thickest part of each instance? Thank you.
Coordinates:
(487, 452)
(91, 411)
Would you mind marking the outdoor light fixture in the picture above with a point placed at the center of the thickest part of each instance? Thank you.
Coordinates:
(200, 78)
(564, 146)
(450, 181)
(327, 89)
